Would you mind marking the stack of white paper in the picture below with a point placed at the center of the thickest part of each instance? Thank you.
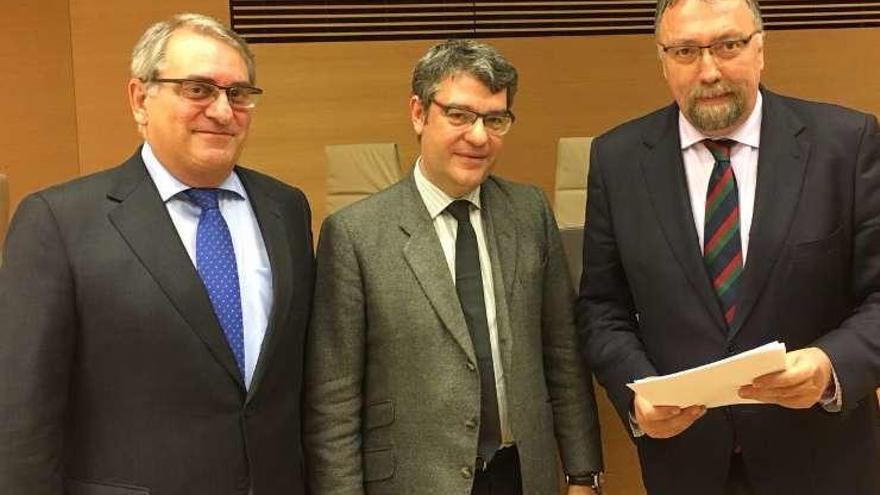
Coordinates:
(714, 384)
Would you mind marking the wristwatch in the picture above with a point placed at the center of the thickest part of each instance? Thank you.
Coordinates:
(592, 479)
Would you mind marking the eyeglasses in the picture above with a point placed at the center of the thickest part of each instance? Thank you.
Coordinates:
(496, 123)
(239, 96)
(721, 50)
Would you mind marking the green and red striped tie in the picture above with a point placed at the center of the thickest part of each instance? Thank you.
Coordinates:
(722, 249)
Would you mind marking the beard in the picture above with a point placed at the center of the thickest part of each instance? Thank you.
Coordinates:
(715, 116)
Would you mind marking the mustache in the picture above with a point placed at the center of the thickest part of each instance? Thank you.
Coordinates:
(718, 89)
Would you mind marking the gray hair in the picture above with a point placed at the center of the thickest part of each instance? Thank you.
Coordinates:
(460, 56)
(664, 5)
(148, 54)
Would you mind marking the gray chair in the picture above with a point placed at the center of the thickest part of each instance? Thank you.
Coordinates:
(570, 196)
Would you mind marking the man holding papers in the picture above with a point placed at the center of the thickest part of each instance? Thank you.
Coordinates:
(733, 218)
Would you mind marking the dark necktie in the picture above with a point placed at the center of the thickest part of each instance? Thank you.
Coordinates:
(215, 261)
(722, 249)
(469, 285)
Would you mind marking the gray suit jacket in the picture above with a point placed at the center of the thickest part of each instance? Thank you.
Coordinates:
(115, 378)
(392, 392)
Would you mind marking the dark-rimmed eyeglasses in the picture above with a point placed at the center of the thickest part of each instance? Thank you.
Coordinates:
(239, 96)
(495, 123)
(721, 49)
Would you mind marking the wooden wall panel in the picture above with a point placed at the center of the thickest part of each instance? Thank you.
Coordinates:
(38, 126)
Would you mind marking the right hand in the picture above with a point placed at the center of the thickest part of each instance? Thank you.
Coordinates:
(664, 421)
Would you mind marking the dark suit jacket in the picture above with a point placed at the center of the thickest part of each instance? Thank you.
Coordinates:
(811, 278)
(392, 392)
(116, 378)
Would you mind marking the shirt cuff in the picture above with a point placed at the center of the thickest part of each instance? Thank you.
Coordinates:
(634, 427)
(832, 398)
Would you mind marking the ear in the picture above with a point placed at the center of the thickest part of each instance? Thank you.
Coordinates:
(137, 95)
(662, 62)
(417, 114)
(760, 49)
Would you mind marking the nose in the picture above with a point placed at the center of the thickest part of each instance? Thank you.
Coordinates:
(708, 67)
(220, 110)
(477, 134)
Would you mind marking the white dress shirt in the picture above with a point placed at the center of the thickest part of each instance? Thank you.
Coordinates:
(446, 226)
(254, 271)
(698, 164)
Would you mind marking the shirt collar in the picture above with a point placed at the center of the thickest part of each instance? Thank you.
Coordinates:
(169, 186)
(749, 133)
(435, 199)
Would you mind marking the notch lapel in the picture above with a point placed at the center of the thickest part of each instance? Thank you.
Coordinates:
(278, 247)
(143, 221)
(425, 258)
(782, 165)
(499, 225)
(663, 170)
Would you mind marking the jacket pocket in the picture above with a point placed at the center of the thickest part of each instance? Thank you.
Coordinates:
(379, 414)
(79, 487)
(810, 250)
(379, 464)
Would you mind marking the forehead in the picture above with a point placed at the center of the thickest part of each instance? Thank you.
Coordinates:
(704, 20)
(466, 90)
(190, 53)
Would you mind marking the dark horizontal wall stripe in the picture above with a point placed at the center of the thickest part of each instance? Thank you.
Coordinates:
(279, 21)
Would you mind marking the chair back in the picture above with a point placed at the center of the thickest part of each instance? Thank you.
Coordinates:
(355, 171)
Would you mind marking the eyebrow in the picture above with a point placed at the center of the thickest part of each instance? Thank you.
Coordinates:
(197, 77)
(727, 35)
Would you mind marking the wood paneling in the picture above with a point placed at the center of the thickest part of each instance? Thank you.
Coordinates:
(38, 126)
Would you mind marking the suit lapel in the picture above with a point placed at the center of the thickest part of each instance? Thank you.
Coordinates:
(782, 164)
(499, 223)
(663, 169)
(425, 258)
(278, 247)
(143, 221)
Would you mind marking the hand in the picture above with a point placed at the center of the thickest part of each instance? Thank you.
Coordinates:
(580, 490)
(800, 385)
(664, 421)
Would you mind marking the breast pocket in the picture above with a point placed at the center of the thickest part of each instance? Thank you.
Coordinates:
(80, 487)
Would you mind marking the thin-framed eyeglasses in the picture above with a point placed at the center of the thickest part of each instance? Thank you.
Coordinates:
(495, 123)
(239, 96)
(722, 49)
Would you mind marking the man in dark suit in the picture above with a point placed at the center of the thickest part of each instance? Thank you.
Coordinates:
(152, 316)
(442, 351)
(733, 218)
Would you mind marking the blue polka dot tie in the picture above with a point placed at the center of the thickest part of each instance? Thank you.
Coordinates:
(215, 261)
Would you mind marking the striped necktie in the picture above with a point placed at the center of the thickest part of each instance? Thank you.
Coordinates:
(722, 248)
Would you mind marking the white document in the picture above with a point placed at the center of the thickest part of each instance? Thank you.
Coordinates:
(714, 384)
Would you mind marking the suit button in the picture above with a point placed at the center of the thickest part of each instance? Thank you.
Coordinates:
(471, 366)
(471, 423)
(243, 483)
(731, 348)
(467, 473)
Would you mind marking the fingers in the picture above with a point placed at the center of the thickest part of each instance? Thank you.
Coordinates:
(664, 421)
(805, 378)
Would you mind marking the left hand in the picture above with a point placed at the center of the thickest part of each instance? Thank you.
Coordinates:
(580, 490)
(800, 385)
